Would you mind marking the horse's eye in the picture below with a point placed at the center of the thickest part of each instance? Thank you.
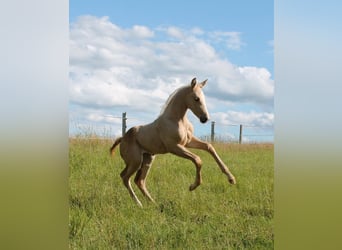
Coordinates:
(197, 99)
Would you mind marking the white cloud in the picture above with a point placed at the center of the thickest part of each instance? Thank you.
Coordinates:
(231, 39)
(252, 118)
(197, 31)
(142, 32)
(175, 32)
(137, 68)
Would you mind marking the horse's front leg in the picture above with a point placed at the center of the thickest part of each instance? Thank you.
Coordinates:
(181, 151)
(198, 144)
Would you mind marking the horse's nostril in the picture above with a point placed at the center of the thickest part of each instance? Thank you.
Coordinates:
(204, 119)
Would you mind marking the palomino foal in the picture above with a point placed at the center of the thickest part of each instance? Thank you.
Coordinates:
(172, 133)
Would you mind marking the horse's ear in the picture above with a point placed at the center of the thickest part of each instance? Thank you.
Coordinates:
(203, 83)
(193, 82)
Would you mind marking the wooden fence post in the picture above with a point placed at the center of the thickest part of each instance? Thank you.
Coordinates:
(124, 123)
(240, 136)
(212, 131)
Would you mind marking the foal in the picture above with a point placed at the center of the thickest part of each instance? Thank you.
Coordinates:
(172, 133)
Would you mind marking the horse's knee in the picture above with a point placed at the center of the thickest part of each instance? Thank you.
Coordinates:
(198, 162)
(210, 147)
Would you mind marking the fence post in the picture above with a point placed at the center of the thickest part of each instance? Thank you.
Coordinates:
(124, 123)
(240, 136)
(212, 131)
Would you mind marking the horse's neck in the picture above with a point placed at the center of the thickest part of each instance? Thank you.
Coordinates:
(176, 109)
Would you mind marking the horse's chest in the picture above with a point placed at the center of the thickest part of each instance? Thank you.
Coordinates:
(185, 134)
(172, 133)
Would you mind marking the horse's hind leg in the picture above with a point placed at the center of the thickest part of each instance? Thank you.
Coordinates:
(131, 167)
(140, 178)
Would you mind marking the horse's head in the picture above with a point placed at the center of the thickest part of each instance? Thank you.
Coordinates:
(196, 100)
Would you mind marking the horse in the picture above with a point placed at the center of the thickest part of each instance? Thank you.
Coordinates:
(171, 132)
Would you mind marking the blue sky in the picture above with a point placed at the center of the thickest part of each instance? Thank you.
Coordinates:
(236, 38)
(254, 19)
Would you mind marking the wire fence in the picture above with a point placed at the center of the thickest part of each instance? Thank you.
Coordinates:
(240, 133)
(213, 132)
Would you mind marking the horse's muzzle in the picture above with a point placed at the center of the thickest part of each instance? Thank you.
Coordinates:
(203, 119)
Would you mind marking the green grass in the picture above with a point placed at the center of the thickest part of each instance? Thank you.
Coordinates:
(216, 215)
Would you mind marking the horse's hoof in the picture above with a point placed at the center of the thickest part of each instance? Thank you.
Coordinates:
(192, 187)
(232, 180)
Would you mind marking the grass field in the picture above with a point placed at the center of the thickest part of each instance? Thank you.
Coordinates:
(216, 215)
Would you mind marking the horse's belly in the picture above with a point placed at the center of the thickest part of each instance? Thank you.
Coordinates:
(150, 141)
(154, 147)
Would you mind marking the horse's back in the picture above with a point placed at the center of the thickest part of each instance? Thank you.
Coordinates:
(157, 137)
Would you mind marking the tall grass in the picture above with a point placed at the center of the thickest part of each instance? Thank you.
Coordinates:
(216, 215)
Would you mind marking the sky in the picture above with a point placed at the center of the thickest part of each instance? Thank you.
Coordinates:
(129, 56)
